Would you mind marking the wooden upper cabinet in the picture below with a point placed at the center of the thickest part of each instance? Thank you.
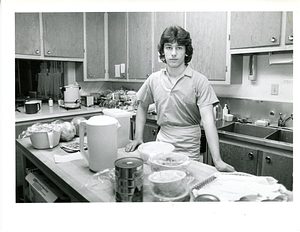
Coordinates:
(95, 47)
(140, 45)
(289, 28)
(208, 31)
(162, 20)
(117, 53)
(27, 34)
(255, 29)
(63, 34)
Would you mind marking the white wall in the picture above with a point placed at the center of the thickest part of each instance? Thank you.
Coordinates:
(261, 89)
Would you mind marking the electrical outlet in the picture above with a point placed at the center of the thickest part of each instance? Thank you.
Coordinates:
(274, 89)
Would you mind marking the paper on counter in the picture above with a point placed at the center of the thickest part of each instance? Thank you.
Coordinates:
(67, 158)
(117, 70)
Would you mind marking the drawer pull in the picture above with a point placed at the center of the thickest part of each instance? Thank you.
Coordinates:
(268, 159)
(154, 132)
(291, 38)
(273, 39)
(37, 52)
(48, 52)
(250, 155)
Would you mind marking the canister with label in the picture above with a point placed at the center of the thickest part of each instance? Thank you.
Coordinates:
(129, 179)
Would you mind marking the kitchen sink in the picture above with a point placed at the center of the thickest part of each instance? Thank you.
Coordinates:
(282, 136)
(248, 129)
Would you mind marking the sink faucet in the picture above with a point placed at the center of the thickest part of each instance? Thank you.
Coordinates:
(282, 122)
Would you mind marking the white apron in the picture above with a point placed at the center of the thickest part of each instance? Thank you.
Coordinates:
(185, 139)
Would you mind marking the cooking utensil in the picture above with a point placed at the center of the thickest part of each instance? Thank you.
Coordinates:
(32, 107)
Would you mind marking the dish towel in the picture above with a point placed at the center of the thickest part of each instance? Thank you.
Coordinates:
(243, 188)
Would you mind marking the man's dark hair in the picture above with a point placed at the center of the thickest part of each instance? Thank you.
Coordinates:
(175, 34)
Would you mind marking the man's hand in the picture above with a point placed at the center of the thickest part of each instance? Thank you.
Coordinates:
(133, 145)
(224, 167)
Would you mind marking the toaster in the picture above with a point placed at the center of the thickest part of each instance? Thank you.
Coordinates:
(87, 100)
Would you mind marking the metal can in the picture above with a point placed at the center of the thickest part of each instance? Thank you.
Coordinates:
(129, 179)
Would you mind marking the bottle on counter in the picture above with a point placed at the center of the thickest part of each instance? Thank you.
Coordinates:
(225, 110)
(50, 102)
(218, 112)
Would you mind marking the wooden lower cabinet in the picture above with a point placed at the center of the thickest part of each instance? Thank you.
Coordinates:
(260, 161)
(278, 166)
(243, 159)
(150, 132)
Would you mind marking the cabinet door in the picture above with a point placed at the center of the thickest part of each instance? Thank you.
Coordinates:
(289, 28)
(116, 41)
(162, 20)
(150, 132)
(63, 34)
(241, 158)
(255, 29)
(140, 45)
(208, 31)
(278, 166)
(27, 34)
(95, 45)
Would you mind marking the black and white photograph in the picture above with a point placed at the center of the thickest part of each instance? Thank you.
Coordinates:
(140, 115)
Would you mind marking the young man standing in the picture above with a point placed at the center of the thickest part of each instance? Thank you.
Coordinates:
(183, 97)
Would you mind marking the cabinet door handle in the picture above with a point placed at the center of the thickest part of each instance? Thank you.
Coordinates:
(48, 52)
(273, 39)
(154, 132)
(268, 159)
(291, 38)
(90, 75)
(250, 155)
(37, 52)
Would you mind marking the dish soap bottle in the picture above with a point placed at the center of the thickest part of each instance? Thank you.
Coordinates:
(280, 120)
(218, 112)
(225, 110)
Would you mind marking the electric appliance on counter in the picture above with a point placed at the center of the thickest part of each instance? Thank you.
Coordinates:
(71, 96)
(87, 100)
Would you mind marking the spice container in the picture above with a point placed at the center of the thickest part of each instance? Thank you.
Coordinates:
(50, 102)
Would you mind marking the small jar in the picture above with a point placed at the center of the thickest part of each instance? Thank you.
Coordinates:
(50, 102)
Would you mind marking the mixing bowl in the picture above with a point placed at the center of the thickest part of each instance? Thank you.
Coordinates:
(45, 140)
(169, 161)
(168, 182)
(150, 149)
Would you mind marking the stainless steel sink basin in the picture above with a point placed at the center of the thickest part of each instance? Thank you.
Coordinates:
(282, 136)
(248, 129)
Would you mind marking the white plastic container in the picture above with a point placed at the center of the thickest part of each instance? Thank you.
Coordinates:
(225, 110)
(123, 118)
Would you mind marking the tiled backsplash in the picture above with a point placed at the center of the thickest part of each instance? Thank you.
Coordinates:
(258, 110)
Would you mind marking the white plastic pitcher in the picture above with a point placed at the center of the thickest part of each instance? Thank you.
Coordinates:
(123, 118)
(101, 141)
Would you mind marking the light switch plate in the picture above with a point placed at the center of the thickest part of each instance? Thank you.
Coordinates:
(274, 89)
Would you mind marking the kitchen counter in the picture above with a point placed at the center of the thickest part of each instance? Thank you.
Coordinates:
(55, 111)
(71, 176)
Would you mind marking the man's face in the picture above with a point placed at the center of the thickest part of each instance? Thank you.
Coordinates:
(174, 54)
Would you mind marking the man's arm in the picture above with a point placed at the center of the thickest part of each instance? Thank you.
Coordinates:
(140, 122)
(212, 137)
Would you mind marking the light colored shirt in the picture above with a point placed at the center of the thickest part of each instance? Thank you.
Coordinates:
(178, 104)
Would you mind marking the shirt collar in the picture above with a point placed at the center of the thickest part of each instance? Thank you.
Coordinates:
(187, 72)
